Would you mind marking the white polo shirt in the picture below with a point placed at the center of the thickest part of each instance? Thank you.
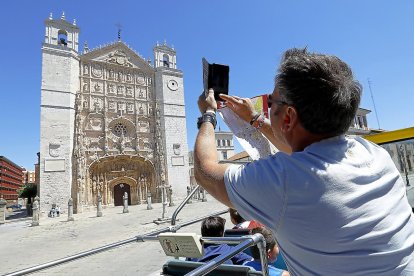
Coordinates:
(337, 208)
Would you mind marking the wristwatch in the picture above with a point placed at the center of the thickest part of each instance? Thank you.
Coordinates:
(207, 117)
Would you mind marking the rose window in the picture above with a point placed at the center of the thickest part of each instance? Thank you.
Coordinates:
(120, 129)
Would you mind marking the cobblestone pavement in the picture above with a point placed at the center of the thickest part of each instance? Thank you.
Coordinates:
(23, 246)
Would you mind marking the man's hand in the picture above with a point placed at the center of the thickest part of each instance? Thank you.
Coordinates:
(243, 107)
(207, 102)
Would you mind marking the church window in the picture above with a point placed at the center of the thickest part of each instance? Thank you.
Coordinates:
(62, 37)
(120, 129)
(165, 60)
(224, 155)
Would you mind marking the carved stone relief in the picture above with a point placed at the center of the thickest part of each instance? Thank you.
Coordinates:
(54, 149)
(130, 107)
(140, 78)
(86, 69)
(121, 90)
(97, 71)
(129, 91)
(97, 87)
(111, 88)
(94, 124)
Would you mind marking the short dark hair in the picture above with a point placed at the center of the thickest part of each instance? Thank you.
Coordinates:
(236, 216)
(321, 88)
(213, 227)
(268, 236)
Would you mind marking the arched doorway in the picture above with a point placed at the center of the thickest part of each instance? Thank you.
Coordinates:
(119, 191)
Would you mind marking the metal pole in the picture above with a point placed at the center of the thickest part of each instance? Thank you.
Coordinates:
(182, 204)
(251, 240)
(140, 238)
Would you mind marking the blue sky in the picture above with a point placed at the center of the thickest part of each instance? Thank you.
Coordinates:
(374, 37)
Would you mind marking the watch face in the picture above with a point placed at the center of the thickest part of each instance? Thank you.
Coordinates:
(172, 85)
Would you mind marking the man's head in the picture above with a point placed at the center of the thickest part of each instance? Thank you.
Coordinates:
(235, 217)
(320, 89)
(272, 250)
(213, 227)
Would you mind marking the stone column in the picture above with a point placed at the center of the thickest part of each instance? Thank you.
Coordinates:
(70, 210)
(99, 205)
(188, 193)
(3, 204)
(203, 194)
(35, 217)
(170, 197)
(149, 201)
(125, 197)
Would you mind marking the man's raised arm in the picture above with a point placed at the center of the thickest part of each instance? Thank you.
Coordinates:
(207, 171)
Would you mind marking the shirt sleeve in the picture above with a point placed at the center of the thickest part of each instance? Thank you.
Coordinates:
(258, 191)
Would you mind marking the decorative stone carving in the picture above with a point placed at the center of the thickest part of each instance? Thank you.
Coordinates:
(111, 88)
(121, 90)
(177, 149)
(129, 91)
(111, 74)
(111, 105)
(85, 69)
(97, 87)
(54, 149)
(85, 87)
(119, 76)
(119, 57)
(97, 71)
(130, 107)
(128, 77)
(140, 78)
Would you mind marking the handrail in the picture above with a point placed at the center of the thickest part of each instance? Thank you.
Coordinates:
(182, 204)
(139, 238)
(247, 241)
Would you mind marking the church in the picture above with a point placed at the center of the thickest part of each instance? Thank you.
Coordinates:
(111, 122)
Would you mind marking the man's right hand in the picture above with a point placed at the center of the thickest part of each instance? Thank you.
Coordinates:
(243, 107)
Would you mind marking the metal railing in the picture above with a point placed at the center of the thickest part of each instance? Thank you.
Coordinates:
(140, 238)
(243, 243)
(182, 204)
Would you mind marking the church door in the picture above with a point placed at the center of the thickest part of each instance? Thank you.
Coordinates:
(119, 191)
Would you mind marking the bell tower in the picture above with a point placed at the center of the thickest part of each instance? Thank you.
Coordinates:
(60, 83)
(169, 89)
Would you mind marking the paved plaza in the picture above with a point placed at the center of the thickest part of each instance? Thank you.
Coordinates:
(23, 246)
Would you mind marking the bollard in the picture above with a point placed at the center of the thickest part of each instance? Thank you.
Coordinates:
(188, 193)
(99, 207)
(3, 204)
(170, 197)
(149, 207)
(203, 194)
(35, 217)
(125, 197)
(70, 210)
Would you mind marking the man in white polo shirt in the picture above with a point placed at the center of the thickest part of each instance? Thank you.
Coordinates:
(337, 205)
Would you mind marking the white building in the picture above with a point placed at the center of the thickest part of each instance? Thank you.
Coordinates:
(111, 122)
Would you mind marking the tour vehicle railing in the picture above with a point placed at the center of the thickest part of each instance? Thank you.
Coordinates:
(140, 238)
(242, 242)
(182, 204)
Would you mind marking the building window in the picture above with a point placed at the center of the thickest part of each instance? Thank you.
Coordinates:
(224, 155)
(165, 60)
(218, 143)
(62, 37)
(120, 129)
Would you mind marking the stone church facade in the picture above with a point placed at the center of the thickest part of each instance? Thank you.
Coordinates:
(111, 122)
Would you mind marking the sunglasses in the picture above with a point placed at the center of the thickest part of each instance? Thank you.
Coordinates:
(271, 101)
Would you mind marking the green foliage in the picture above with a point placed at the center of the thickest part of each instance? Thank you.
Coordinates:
(29, 191)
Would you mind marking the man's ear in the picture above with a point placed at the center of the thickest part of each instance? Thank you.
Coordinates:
(290, 119)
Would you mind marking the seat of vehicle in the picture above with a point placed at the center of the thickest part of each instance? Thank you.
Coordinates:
(180, 267)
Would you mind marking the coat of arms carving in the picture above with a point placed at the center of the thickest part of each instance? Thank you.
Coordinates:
(54, 149)
(119, 57)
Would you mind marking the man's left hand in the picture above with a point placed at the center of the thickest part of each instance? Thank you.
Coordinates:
(207, 102)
